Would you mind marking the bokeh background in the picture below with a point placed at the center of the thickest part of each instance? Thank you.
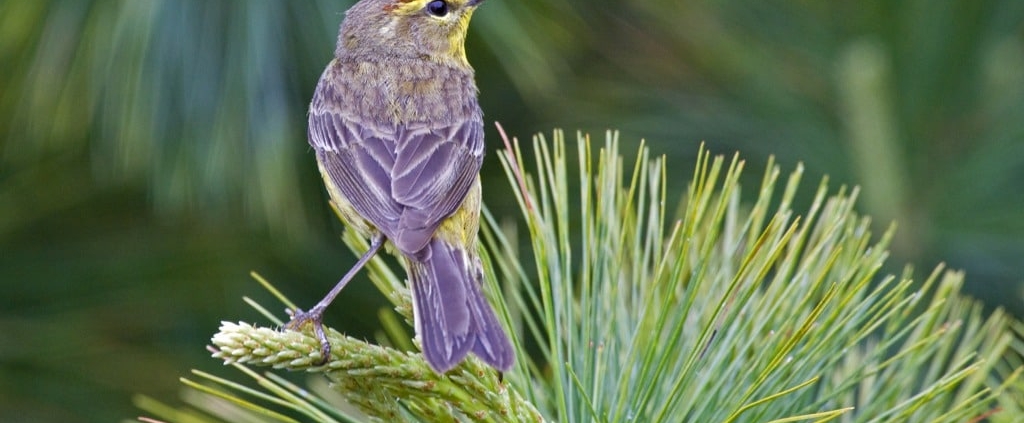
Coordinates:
(153, 153)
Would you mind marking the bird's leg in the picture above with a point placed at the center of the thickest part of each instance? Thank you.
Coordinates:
(315, 315)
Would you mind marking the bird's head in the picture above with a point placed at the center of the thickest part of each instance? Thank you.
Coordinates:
(429, 29)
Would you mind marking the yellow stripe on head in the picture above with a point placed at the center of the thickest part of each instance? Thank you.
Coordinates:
(404, 7)
(408, 7)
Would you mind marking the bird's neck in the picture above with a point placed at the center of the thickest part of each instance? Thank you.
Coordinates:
(408, 90)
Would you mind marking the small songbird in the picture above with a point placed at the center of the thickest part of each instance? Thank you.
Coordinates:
(398, 136)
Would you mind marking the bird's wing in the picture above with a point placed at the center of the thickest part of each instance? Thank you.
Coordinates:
(405, 182)
(435, 167)
(358, 159)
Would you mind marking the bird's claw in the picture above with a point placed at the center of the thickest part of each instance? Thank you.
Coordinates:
(301, 318)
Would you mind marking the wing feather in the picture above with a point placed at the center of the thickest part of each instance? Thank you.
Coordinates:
(406, 180)
(359, 164)
(434, 171)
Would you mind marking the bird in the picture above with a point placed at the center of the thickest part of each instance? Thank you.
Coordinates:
(399, 140)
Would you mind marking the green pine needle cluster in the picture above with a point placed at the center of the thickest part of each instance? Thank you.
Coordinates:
(721, 308)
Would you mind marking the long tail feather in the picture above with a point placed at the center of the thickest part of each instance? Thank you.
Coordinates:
(452, 315)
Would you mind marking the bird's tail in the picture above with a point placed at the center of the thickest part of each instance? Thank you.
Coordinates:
(451, 314)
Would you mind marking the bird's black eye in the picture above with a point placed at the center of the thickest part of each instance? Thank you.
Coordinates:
(438, 8)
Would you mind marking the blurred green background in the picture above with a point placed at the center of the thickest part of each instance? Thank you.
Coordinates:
(152, 152)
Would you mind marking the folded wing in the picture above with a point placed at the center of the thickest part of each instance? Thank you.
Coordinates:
(404, 180)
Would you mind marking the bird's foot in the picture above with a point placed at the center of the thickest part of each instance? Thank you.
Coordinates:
(315, 317)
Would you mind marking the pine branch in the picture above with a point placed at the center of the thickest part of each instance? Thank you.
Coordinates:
(721, 311)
